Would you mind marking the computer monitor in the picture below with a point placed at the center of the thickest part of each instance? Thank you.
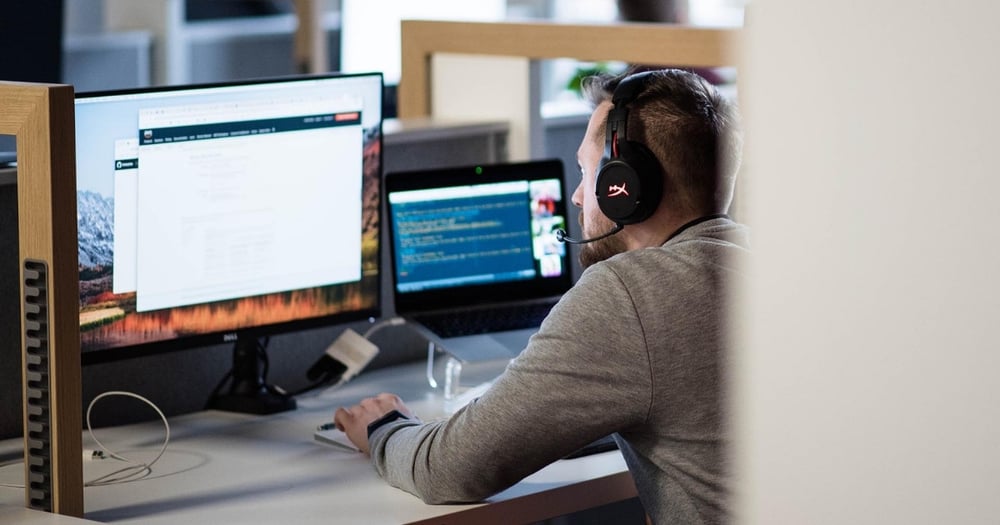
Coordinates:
(227, 213)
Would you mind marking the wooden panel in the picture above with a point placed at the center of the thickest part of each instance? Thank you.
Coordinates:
(41, 117)
(310, 50)
(629, 42)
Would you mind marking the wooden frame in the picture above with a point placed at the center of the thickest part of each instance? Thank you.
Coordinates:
(310, 49)
(630, 42)
(41, 118)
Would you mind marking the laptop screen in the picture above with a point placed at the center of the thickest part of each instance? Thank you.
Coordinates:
(477, 234)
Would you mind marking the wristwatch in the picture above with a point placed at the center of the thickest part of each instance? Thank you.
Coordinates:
(389, 417)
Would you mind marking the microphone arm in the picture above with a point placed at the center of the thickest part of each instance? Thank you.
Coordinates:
(562, 236)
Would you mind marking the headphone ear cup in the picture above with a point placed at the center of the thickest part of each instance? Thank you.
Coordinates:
(617, 190)
(629, 186)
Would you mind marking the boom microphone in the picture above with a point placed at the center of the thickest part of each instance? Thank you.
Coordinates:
(562, 236)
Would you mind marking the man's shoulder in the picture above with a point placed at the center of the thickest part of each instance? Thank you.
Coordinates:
(717, 231)
(716, 245)
(632, 266)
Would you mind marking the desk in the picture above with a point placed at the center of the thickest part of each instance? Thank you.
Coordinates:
(233, 468)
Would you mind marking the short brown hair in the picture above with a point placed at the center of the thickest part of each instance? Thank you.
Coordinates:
(691, 129)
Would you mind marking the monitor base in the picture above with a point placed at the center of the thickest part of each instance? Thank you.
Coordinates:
(248, 392)
(263, 403)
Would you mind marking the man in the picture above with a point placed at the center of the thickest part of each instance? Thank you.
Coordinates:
(636, 347)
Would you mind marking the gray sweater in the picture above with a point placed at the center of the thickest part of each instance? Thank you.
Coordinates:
(636, 347)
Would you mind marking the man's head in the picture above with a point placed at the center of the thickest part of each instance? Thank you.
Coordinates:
(690, 130)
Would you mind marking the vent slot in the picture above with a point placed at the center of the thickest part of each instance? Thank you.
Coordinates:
(37, 385)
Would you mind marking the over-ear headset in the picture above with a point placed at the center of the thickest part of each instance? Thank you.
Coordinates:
(629, 184)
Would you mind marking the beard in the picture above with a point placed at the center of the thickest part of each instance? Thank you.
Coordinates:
(597, 251)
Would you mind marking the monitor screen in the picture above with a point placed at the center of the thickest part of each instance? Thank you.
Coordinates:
(212, 213)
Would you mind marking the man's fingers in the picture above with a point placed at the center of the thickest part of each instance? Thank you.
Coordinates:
(371, 404)
(342, 417)
(369, 409)
(386, 397)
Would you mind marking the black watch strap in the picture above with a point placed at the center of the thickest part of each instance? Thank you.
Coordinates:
(389, 417)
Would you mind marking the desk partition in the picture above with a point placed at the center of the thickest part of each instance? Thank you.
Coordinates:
(41, 118)
(444, 62)
(644, 43)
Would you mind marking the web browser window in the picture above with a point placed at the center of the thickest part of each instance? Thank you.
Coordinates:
(222, 213)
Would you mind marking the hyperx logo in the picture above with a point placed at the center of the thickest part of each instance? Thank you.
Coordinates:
(615, 190)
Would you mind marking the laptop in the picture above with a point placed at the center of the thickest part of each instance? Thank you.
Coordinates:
(476, 265)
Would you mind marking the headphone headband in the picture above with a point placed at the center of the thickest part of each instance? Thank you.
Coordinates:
(631, 87)
(625, 93)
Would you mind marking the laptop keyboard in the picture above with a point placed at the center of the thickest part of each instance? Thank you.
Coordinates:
(494, 319)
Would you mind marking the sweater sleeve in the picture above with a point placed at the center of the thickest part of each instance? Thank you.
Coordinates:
(584, 375)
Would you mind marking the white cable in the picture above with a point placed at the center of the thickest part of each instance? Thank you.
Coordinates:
(393, 321)
(136, 468)
(123, 474)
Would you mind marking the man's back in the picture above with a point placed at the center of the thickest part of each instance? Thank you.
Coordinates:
(678, 453)
(636, 347)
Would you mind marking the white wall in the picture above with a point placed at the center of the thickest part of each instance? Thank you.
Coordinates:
(869, 370)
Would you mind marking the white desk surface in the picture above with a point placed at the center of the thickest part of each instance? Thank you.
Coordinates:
(23, 516)
(233, 468)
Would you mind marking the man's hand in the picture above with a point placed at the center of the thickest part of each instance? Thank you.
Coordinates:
(354, 421)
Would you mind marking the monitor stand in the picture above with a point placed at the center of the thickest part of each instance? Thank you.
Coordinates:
(248, 392)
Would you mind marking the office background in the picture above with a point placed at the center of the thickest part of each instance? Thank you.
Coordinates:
(867, 361)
